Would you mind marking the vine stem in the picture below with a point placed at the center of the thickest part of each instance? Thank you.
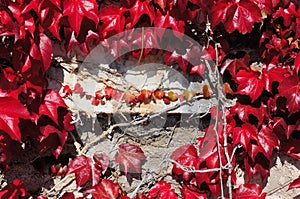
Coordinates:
(142, 50)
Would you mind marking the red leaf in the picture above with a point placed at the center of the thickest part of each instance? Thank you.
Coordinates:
(266, 5)
(84, 170)
(273, 73)
(105, 190)
(10, 112)
(9, 27)
(10, 74)
(170, 58)
(186, 155)
(291, 148)
(207, 144)
(290, 89)
(199, 69)
(288, 14)
(243, 135)
(68, 195)
(113, 20)
(234, 65)
(244, 112)
(249, 191)
(73, 42)
(54, 144)
(140, 196)
(124, 197)
(45, 47)
(267, 141)
(148, 41)
(101, 160)
(236, 15)
(162, 190)
(250, 83)
(54, 26)
(189, 194)
(130, 158)
(297, 63)
(295, 184)
(140, 8)
(168, 21)
(252, 168)
(75, 10)
(14, 190)
(52, 102)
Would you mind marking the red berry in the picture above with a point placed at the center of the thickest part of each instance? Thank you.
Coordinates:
(129, 97)
(99, 94)
(95, 101)
(108, 92)
(67, 90)
(166, 100)
(159, 94)
(206, 91)
(188, 95)
(145, 96)
(173, 96)
(117, 95)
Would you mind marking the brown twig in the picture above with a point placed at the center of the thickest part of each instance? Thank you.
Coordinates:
(134, 122)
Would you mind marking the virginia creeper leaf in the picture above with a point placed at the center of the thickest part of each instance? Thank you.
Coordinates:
(234, 65)
(15, 190)
(140, 8)
(250, 83)
(168, 21)
(290, 88)
(295, 184)
(236, 15)
(162, 189)
(11, 111)
(130, 158)
(189, 194)
(186, 155)
(297, 63)
(84, 170)
(45, 47)
(75, 10)
(245, 111)
(52, 102)
(267, 141)
(242, 135)
(250, 191)
(288, 14)
(113, 20)
(56, 143)
(106, 189)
